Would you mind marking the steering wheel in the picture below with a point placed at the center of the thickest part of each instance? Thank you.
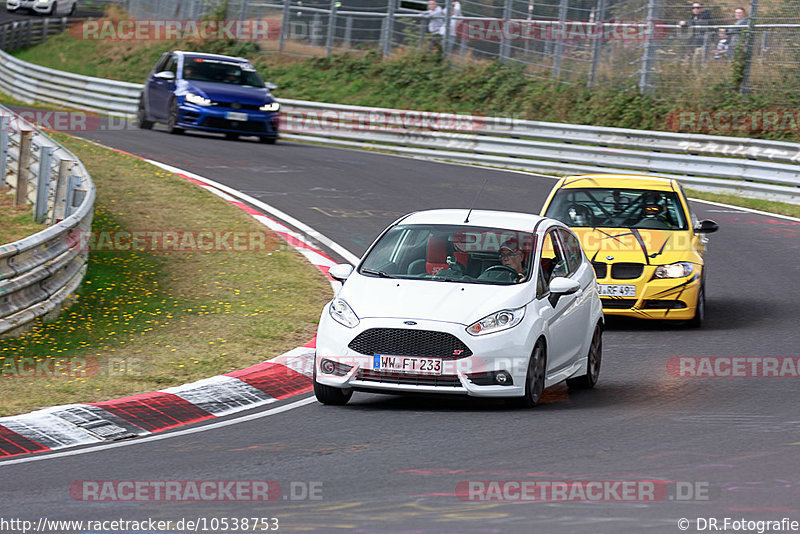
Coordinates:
(581, 211)
(501, 268)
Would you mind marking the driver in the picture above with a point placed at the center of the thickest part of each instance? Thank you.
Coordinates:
(653, 208)
(511, 257)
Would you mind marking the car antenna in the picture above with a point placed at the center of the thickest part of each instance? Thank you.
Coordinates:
(476, 199)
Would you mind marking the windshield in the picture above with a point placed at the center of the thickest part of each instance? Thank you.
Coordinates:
(618, 208)
(452, 253)
(219, 71)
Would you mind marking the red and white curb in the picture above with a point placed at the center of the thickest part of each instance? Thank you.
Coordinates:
(285, 376)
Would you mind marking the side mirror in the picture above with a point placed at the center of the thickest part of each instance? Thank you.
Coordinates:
(560, 286)
(706, 227)
(341, 271)
(270, 86)
(165, 75)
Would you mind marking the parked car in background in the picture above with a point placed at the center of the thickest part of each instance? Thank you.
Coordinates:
(44, 7)
(485, 303)
(644, 241)
(209, 92)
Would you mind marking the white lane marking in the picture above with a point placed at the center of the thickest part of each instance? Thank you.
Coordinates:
(158, 437)
(272, 210)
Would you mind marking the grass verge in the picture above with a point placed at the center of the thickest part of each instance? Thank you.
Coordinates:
(148, 319)
(17, 221)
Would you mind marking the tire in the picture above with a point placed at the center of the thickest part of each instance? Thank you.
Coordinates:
(73, 9)
(700, 309)
(53, 10)
(534, 381)
(172, 119)
(330, 395)
(594, 359)
(231, 136)
(269, 140)
(141, 116)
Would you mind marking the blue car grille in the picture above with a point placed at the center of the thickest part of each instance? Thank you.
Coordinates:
(242, 126)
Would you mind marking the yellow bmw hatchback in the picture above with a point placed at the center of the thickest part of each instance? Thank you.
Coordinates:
(644, 241)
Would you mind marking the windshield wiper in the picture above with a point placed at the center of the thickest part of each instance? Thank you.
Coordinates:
(382, 274)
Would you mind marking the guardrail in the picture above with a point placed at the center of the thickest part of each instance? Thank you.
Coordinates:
(27, 32)
(710, 161)
(38, 273)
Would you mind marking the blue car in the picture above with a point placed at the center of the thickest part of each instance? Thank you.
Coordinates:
(209, 92)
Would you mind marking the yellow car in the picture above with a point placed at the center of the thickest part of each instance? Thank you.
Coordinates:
(643, 240)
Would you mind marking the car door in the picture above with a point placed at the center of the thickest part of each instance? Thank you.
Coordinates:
(161, 90)
(581, 270)
(563, 315)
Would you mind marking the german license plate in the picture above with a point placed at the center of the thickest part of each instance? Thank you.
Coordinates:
(233, 116)
(615, 290)
(407, 364)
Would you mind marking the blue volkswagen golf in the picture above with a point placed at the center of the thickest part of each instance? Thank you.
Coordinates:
(209, 92)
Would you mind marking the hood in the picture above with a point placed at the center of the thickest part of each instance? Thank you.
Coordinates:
(430, 300)
(634, 245)
(225, 92)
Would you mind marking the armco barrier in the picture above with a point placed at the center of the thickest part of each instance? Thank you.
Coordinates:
(767, 167)
(38, 273)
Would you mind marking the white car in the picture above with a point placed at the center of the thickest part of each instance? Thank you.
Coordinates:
(481, 303)
(44, 7)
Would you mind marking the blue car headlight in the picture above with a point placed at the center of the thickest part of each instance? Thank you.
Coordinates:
(271, 106)
(342, 313)
(197, 99)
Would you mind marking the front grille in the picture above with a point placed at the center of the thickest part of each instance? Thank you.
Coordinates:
(408, 378)
(663, 305)
(251, 107)
(404, 342)
(242, 126)
(618, 304)
(600, 269)
(626, 271)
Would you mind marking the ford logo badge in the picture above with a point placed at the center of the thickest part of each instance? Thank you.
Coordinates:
(410, 323)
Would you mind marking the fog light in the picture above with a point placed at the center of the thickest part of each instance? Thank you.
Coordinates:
(502, 378)
(328, 366)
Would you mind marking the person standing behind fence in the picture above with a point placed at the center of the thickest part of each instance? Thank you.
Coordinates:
(700, 25)
(455, 8)
(436, 26)
(734, 34)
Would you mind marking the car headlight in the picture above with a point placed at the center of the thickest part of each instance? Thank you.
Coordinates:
(342, 313)
(502, 320)
(271, 106)
(197, 99)
(674, 270)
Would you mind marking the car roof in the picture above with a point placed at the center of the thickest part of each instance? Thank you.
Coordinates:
(209, 56)
(508, 220)
(619, 181)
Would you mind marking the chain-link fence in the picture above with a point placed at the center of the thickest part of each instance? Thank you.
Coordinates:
(654, 44)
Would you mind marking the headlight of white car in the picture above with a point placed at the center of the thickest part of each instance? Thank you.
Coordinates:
(271, 106)
(674, 270)
(342, 313)
(502, 320)
(197, 99)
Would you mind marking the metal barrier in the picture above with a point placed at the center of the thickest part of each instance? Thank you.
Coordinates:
(767, 167)
(38, 273)
(27, 32)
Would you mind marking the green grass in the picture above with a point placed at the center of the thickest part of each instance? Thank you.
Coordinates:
(17, 221)
(145, 320)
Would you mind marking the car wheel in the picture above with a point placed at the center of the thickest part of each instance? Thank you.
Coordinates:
(172, 120)
(72, 10)
(594, 359)
(53, 10)
(141, 116)
(700, 309)
(330, 395)
(269, 140)
(534, 381)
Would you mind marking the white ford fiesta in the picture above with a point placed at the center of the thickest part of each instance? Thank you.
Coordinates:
(482, 303)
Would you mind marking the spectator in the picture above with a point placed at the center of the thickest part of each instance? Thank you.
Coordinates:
(436, 27)
(699, 24)
(455, 8)
(721, 51)
(734, 34)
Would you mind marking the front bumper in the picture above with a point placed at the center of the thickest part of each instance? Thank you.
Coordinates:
(215, 119)
(507, 351)
(663, 299)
